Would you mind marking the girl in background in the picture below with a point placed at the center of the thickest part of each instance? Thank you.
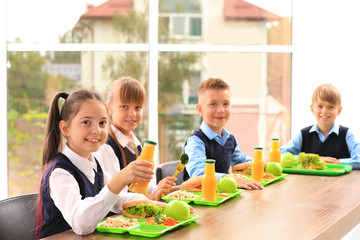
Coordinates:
(125, 101)
(73, 193)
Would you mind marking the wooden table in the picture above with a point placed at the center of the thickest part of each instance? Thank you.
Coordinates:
(299, 207)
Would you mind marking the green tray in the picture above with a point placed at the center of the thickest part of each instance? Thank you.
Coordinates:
(116, 230)
(266, 182)
(150, 230)
(330, 170)
(218, 201)
(188, 200)
(146, 230)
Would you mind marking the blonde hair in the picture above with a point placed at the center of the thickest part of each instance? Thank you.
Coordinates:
(212, 83)
(327, 92)
(127, 89)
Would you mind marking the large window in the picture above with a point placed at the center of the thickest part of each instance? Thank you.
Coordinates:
(169, 45)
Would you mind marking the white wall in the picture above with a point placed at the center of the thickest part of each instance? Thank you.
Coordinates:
(326, 43)
(3, 110)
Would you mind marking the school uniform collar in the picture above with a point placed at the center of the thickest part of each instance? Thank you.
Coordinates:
(86, 166)
(335, 129)
(124, 140)
(211, 134)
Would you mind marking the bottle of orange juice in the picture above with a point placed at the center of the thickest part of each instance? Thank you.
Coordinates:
(147, 153)
(275, 153)
(209, 181)
(258, 165)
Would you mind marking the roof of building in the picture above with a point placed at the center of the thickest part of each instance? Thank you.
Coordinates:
(233, 10)
(240, 9)
(108, 9)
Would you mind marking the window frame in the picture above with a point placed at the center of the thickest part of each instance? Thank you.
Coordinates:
(153, 48)
(187, 17)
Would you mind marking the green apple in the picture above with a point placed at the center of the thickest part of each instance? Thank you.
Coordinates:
(288, 160)
(227, 185)
(178, 210)
(274, 168)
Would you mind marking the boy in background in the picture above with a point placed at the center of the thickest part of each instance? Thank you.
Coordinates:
(212, 140)
(334, 143)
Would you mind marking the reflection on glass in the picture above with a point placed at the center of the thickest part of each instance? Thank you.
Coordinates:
(33, 79)
(260, 87)
(253, 22)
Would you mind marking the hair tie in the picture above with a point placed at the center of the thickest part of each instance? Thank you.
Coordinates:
(64, 95)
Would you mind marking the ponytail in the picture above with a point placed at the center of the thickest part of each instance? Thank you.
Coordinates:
(52, 139)
(53, 136)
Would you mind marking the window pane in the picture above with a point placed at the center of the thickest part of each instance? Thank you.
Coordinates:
(34, 78)
(260, 101)
(195, 26)
(179, 26)
(180, 6)
(252, 22)
(69, 21)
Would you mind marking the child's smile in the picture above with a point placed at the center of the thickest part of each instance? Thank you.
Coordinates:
(325, 113)
(214, 107)
(126, 116)
(88, 129)
(93, 140)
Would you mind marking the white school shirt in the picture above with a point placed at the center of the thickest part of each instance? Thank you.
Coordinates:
(109, 161)
(83, 215)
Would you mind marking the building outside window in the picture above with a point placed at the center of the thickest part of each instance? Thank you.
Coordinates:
(194, 40)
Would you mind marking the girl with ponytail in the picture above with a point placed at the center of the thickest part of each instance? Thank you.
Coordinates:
(74, 192)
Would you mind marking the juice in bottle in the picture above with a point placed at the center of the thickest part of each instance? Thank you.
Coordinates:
(275, 153)
(258, 165)
(209, 181)
(147, 153)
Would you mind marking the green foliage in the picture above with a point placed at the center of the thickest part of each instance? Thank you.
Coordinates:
(35, 117)
(132, 64)
(25, 136)
(65, 57)
(25, 78)
(132, 26)
(174, 68)
(27, 113)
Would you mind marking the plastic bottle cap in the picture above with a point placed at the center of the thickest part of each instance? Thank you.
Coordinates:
(258, 148)
(150, 142)
(210, 161)
(275, 139)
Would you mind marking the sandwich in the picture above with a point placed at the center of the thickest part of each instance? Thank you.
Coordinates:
(242, 168)
(143, 208)
(310, 160)
(193, 184)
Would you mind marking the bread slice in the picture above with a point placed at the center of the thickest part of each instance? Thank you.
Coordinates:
(135, 203)
(242, 168)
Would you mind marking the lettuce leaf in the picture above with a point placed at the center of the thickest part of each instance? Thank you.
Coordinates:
(149, 209)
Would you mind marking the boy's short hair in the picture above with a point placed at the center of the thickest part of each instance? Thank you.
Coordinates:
(212, 83)
(327, 92)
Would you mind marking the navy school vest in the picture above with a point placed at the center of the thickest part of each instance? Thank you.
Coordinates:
(129, 156)
(54, 222)
(334, 146)
(214, 150)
